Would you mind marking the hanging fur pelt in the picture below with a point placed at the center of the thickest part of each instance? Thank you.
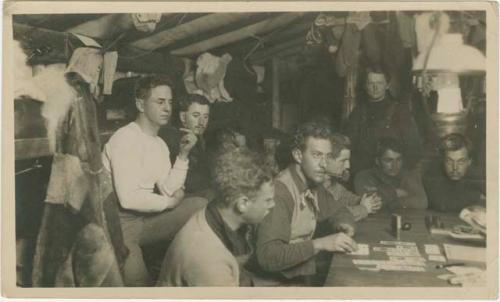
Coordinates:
(45, 83)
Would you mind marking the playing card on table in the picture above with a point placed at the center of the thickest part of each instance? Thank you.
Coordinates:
(432, 249)
(437, 258)
(363, 250)
(408, 260)
(397, 243)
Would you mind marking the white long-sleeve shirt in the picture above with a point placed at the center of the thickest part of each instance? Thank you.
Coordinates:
(137, 162)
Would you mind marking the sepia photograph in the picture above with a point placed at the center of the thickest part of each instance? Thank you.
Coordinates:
(250, 150)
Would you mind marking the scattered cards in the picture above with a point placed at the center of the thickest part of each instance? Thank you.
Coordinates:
(408, 260)
(437, 258)
(371, 269)
(388, 262)
(363, 250)
(405, 268)
(402, 256)
(432, 249)
(398, 243)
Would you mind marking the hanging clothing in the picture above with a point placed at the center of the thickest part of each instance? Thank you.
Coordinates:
(208, 79)
(79, 230)
(407, 33)
(347, 56)
(87, 63)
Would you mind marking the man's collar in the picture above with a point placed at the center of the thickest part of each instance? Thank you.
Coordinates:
(232, 239)
(298, 178)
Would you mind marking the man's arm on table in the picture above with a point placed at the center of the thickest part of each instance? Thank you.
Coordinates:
(274, 252)
(337, 215)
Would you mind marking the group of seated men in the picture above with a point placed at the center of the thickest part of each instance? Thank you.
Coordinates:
(226, 214)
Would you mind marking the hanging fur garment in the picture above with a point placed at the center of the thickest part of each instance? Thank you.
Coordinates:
(79, 241)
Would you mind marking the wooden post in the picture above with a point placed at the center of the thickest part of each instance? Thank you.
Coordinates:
(276, 114)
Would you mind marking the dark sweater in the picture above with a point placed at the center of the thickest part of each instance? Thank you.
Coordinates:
(198, 176)
(408, 180)
(371, 121)
(448, 195)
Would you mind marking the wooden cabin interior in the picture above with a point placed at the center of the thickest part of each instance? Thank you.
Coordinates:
(281, 69)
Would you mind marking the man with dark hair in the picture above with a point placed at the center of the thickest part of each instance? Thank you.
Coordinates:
(148, 187)
(398, 186)
(456, 183)
(213, 245)
(285, 244)
(337, 167)
(194, 114)
(380, 116)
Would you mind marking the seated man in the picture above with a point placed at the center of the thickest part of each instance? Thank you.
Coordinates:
(397, 186)
(455, 184)
(337, 167)
(148, 188)
(213, 244)
(285, 243)
(194, 113)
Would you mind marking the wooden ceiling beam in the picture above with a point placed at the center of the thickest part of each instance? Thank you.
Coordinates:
(299, 41)
(237, 35)
(251, 19)
(56, 45)
(188, 29)
(272, 38)
(107, 27)
(57, 22)
(167, 21)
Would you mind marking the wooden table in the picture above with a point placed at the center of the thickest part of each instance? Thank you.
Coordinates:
(376, 228)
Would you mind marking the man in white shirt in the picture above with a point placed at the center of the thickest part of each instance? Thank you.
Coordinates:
(150, 191)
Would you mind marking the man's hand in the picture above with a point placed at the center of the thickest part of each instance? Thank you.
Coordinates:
(372, 202)
(346, 229)
(338, 242)
(187, 142)
(179, 194)
(174, 199)
(400, 193)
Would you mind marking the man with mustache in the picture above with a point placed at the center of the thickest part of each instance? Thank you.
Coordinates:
(286, 247)
(398, 186)
(194, 114)
(148, 187)
(456, 183)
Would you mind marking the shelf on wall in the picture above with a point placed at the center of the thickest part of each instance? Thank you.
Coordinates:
(26, 148)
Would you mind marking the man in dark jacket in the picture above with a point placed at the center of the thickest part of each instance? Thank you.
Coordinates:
(380, 117)
(456, 184)
(194, 113)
